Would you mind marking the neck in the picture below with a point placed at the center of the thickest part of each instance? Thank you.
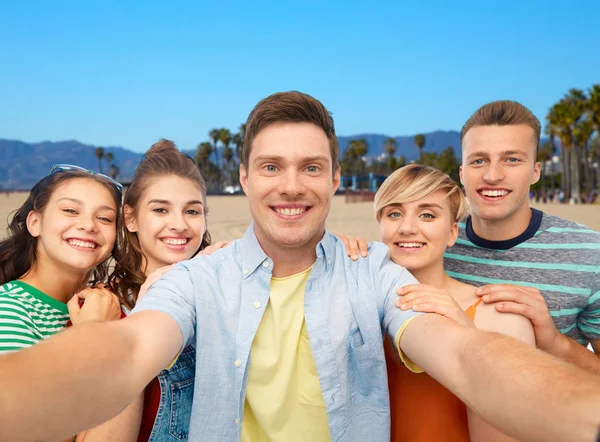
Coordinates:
(502, 229)
(290, 260)
(44, 278)
(148, 267)
(434, 276)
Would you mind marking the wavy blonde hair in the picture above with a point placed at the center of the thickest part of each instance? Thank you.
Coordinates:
(415, 181)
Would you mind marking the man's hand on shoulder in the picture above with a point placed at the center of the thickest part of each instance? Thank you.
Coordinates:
(527, 302)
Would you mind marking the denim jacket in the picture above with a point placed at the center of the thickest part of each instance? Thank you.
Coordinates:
(172, 421)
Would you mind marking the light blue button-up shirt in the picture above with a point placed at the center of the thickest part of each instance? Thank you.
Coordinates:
(218, 302)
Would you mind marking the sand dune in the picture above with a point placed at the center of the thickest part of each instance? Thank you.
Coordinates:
(229, 216)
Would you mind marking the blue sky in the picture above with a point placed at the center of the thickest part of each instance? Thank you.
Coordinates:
(126, 74)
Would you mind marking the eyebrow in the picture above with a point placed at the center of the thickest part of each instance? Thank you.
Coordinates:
(504, 153)
(507, 153)
(81, 203)
(478, 154)
(167, 202)
(421, 206)
(279, 158)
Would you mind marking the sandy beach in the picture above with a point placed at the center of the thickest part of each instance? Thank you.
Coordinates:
(229, 216)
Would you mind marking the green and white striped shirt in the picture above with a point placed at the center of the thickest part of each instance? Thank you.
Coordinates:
(27, 316)
(558, 257)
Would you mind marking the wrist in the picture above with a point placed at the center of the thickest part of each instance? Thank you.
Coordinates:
(561, 346)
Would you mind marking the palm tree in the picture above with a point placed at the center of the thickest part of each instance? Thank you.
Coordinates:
(582, 135)
(420, 143)
(225, 137)
(237, 140)
(203, 152)
(99, 153)
(543, 156)
(390, 150)
(227, 162)
(109, 157)
(595, 157)
(114, 171)
(575, 106)
(357, 149)
(594, 107)
(554, 129)
(215, 136)
(593, 110)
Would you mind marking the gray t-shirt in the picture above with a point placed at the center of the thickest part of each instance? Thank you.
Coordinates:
(559, 257)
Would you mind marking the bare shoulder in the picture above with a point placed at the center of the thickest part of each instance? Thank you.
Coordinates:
(509, 324)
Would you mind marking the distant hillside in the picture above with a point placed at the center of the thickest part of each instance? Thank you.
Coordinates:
(23, 164)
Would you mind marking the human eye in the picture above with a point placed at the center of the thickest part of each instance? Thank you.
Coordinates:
(160, 210)
(313, 169)
(394, 215)
(270, 168)
(513, 160)
(193, 212)
(105, 219)
(70, 211)
(428, 216)
(477, 162)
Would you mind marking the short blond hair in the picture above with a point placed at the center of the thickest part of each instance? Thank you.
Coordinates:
(415, 181)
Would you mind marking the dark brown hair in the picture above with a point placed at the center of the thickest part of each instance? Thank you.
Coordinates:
(289, 107)
(18, 252)
(503, 113)
(163, 159)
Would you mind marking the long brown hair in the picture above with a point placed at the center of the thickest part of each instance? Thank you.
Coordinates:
(18, 251)
(163, 159)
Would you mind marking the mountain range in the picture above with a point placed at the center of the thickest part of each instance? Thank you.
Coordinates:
(23, 164)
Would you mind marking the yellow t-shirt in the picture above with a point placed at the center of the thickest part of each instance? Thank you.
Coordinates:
(283, 398)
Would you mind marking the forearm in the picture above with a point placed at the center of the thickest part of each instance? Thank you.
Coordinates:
(124, 427)
(511, 385)
(507, 382)
(71, 381)
(481, 431)
(569, 350)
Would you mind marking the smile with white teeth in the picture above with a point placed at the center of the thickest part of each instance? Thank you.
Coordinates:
(410, 245)
(175, 241)
(495, 193)
(290, 212)
(79, 243)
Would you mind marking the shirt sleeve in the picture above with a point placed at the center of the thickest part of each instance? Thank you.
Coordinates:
(391, 277)
(588, 320)
(174, 295)
(17, 330)
(405, 359)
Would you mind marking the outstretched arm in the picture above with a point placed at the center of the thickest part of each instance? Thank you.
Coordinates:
(505, 381)
(83, 376)
(124, 427)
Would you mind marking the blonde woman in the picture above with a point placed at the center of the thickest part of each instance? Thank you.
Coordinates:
(418, 209)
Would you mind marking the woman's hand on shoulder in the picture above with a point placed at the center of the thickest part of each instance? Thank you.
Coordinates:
(152, 278)
(354, 246)
(209, 250)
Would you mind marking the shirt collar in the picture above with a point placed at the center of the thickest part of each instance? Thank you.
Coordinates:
(253, 255)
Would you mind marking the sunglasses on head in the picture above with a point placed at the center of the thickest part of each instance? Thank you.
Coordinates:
(70, 167)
